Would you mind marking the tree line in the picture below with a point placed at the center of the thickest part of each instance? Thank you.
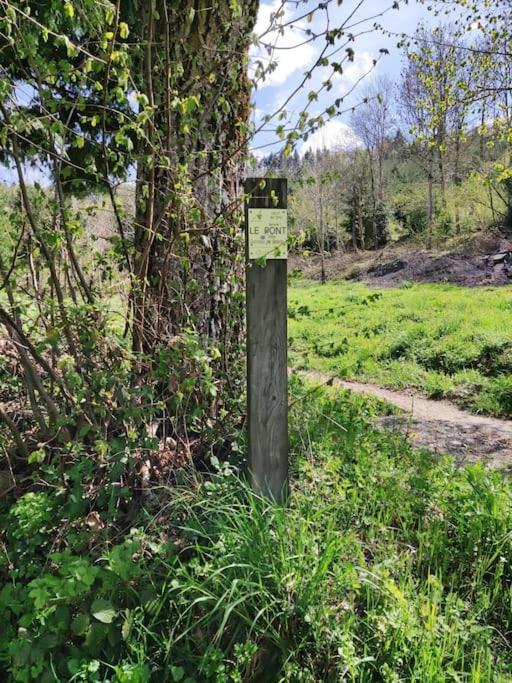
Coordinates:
(432, 158)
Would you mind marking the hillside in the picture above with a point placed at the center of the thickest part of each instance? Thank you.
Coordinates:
(474, 261)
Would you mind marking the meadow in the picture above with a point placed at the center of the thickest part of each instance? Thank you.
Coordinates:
(442, 340)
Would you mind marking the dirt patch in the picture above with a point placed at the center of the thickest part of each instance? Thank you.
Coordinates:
(466, 442)
(471, 264)
(459, 269)
(440, 426)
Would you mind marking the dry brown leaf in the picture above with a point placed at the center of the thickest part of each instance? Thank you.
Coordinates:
(94, 522)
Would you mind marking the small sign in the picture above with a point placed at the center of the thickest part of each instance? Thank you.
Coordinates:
(268, 233)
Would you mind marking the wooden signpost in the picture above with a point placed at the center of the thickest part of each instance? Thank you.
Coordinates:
(267, 367)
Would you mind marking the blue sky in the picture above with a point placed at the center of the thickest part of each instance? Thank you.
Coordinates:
(294, 62)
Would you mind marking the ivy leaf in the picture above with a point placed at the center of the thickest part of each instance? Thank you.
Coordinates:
(79, 624)
(189, 104)
(36, 456)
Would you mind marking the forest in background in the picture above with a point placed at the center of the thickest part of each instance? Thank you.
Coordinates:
(431, 160)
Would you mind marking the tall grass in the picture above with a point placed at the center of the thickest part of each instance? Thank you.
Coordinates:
(388, 565)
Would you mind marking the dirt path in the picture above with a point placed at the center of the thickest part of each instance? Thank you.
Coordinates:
(439, 425)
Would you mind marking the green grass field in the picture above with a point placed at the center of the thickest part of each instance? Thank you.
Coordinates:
(446, 341)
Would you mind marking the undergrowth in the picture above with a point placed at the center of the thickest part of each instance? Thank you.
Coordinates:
(388, 565)
(447, 341)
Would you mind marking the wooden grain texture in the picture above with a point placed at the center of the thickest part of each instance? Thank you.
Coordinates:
(267, 376)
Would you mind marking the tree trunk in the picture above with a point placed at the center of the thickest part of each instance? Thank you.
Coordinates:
(337, 228)
(374, 237)
(430, 200)
(381, 174)
(482, 134)
(360, 224)
(188, 242)
(322, 232)
(457, 179)
(442, 174)
(354, 223)
(491, 204)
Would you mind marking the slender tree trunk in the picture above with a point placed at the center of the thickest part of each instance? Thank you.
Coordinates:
(381, 175)
(457, 179)
(355, 220)
(491, 204)
(374, 199)
(482, 138)
(322, 232)
(442, 176)
(430, 201)
(336, 227)
(360, 224)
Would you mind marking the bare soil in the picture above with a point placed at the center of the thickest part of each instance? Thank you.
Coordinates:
(468, 263)
(440, 426)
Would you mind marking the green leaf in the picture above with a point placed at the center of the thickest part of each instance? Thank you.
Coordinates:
(127, 624)
(80, 624)
(177, 673)
(36, 456)
(103, 611)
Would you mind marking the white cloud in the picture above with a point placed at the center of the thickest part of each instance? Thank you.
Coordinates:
(354, 71)
(258, 153)
(289, 58)
(334, 135)
(257, 113)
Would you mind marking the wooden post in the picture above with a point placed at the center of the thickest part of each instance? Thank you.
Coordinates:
(267, 366)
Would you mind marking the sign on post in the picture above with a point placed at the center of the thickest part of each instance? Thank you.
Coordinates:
(267, 366)
(268, 233)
